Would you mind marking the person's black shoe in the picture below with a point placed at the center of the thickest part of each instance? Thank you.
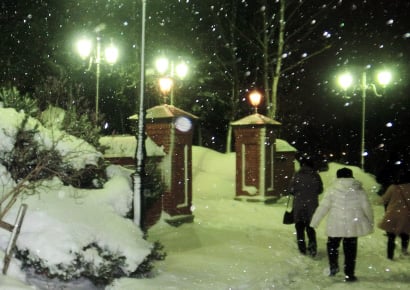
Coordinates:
(350, 279)
(333, 271)
(312, 249)
(302, 247)
(312, 252)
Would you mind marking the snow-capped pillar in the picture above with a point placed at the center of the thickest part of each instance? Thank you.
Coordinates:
(255, 155)
(173, 128)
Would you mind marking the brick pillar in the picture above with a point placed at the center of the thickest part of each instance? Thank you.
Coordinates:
(173, 129)
(255, 157)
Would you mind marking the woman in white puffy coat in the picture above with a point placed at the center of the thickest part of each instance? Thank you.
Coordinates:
(350, 215)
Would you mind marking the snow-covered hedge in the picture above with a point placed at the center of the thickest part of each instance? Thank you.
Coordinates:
(74, 151)
(71, 232)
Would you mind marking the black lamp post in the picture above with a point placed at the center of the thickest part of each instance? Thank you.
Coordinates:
(139, 200)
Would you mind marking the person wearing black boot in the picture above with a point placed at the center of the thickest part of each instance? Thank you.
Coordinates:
(396, 220)
(391, 244)
(305, 186)
(350, 216)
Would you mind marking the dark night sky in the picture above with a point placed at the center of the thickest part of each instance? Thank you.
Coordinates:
(316, 119)
(368, 33)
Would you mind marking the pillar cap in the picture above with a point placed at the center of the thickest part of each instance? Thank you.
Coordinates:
(165, 111)
(255, 119)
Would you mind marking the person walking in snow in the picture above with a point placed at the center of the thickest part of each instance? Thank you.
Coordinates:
(387, 176)
(350, 216)
(305, 186)
(396, 220)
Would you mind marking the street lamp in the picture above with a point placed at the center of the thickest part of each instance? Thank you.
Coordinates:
(140, 151)
(346, 80)
(85, 50)
(171, 71)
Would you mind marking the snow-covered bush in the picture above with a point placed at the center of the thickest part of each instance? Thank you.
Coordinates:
(81, 126)
(11, 98)
(69, 230)
(145, 268)
(29, 160)
(72, 121)
(109, 266)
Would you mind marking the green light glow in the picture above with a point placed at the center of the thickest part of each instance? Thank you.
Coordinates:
(384, 78)
(182, 70)
(162, 65)
(111, 54)
(345, 80)
(84, 47)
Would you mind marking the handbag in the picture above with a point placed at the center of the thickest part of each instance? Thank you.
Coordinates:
(288, 216)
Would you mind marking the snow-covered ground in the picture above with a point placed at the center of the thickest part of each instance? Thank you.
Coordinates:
(230, 245)
(241, 245)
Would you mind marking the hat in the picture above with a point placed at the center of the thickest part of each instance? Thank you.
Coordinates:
(307, 161)
(344, 173)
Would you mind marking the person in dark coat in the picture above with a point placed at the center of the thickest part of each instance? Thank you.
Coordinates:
(388, 175)
(305, 186)
(396, 220)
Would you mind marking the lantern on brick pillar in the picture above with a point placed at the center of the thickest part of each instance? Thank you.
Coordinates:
(255, 139)
(255, 98)
(165, 86)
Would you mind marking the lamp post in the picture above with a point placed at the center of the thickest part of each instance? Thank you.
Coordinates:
(138, 198)
(85, 50)
(171, 71)
(346, 81)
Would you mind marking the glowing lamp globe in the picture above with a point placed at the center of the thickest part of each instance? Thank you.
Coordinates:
(84, 47)
(255, 98)
(181, 70)
(165, 85)
(345, 80)
(162, 65)
(384, 78)
(111, 54)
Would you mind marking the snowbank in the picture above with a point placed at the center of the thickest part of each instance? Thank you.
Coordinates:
(61, 221)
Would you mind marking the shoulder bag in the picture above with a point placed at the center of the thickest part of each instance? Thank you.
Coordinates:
(288, 216)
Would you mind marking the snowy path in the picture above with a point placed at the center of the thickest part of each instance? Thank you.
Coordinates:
(239, 245)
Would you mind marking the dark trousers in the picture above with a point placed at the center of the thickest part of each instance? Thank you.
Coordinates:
(391, 239)
(301, 227)
(350, 253)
